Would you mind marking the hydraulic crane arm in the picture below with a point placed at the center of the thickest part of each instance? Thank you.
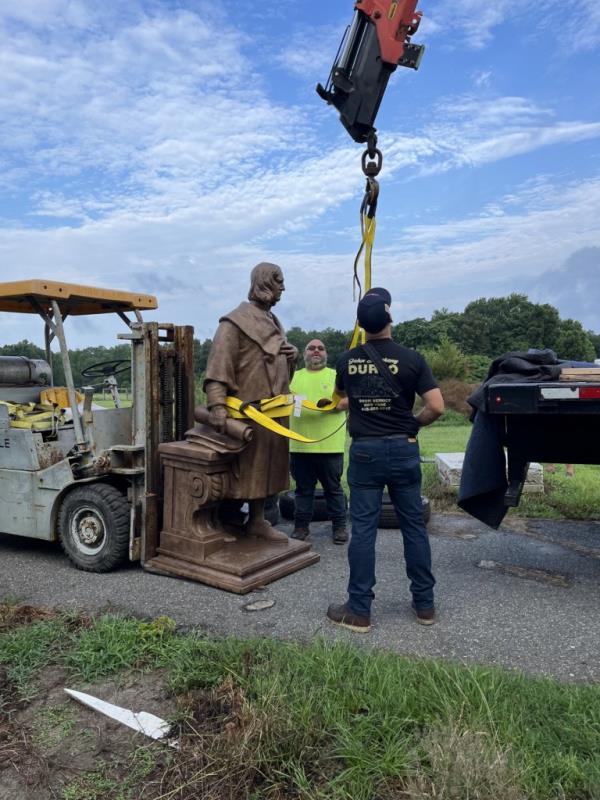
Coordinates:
(376, 42)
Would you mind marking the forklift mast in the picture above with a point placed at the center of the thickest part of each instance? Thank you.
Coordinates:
(374, 44)
(163, 410)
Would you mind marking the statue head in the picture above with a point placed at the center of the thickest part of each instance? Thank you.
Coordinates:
(266, 284)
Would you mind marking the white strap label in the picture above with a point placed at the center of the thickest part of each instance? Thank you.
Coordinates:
(298, 398)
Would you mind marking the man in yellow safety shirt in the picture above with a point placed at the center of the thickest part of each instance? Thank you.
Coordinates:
(322, 461)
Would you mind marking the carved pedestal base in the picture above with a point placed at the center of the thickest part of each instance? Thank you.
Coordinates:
(239, 565)
(193, 542)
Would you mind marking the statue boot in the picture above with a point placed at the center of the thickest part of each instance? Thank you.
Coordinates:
(263, 530)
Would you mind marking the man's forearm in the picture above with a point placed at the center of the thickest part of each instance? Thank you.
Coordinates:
(426, 416)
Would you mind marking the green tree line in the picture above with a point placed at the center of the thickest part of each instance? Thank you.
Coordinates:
(457, 344)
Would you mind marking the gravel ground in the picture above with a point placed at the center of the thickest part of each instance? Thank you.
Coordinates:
(525, 597)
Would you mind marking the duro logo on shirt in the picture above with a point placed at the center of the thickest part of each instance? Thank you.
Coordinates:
(362, 366)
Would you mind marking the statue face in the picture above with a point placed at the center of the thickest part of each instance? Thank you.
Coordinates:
(266, 284)
(277, 286)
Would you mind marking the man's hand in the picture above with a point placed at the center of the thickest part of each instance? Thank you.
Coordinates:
(342, 398)
(217, 416)
(289, 351)
(324, 401)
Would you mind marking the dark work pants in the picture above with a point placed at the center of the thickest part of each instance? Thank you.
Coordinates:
(325, 468)
(374, 464)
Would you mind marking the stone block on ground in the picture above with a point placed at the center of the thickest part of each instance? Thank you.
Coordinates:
(449, 469)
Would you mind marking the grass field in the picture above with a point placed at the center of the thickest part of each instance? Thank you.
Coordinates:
(107, 402)
(267, 720)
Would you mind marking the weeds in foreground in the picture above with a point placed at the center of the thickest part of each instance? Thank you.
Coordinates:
(273, 720)
(458, 764)
(101, 784)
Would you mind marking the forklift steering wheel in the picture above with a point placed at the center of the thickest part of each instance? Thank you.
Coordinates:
(105, 368)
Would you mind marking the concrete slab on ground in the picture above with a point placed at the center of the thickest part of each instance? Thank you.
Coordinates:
(449, 468)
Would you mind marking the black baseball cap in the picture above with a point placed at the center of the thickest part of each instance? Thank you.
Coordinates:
(382, 293)
(373, 311)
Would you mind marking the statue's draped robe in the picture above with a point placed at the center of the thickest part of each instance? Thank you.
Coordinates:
(245, 357)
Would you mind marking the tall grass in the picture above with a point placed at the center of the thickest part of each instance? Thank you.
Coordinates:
(332, 722)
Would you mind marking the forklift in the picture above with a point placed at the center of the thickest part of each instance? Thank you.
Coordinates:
(70, 469)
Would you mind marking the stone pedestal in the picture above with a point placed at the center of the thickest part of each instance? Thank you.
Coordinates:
(449, 467)
(193, 542)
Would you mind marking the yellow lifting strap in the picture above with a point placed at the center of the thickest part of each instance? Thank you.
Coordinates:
(368, 227)
(372, 161)
(280, 406)
(37, 417)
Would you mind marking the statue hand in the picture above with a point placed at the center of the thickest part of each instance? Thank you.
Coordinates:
(217, 416)
(289, 351)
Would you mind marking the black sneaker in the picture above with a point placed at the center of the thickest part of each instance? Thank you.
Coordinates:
(340, 535)
(343, 616)
(300, 533)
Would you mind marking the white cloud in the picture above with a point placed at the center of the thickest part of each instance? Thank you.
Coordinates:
(148, 155)
(519, 238)
(310, 52)
(470, 21)
(473, 131)
(577, 24)
(571, 24)
(149, 105)
(426, 266)
(483, 78)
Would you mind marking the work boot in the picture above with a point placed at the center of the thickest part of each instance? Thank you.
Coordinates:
(425, 616)
(343, 616)
(300, 532)
(262, 530)
(340, 535)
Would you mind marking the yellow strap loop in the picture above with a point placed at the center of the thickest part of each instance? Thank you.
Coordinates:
(281, 405)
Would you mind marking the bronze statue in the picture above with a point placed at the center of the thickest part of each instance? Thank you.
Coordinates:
(251, 359)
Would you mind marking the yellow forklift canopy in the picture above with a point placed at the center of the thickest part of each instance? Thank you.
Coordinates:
(73, 299)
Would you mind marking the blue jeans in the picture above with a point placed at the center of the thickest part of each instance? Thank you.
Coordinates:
(374, 464)
(326, 468)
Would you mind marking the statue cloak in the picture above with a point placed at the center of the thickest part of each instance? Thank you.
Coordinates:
(245, 357)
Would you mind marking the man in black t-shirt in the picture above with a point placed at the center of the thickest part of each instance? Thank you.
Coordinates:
(381, 380)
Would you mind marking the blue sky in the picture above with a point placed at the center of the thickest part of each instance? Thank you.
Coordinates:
(167, 147)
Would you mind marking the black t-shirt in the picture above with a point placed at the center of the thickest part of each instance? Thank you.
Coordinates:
(373, 409)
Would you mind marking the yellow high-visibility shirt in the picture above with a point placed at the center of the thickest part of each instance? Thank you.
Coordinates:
(314, 384)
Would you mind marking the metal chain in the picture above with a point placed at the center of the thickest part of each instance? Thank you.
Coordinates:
(372, 161)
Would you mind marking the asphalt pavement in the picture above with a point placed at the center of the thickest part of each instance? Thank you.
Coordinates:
(526, 597)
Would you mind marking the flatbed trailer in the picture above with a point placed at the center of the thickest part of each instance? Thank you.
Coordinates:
(552, 422)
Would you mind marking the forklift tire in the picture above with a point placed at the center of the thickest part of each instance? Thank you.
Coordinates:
(93, 526)
(387, 515)
(287, 505)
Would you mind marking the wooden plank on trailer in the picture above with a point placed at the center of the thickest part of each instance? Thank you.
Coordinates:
(580, 374)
